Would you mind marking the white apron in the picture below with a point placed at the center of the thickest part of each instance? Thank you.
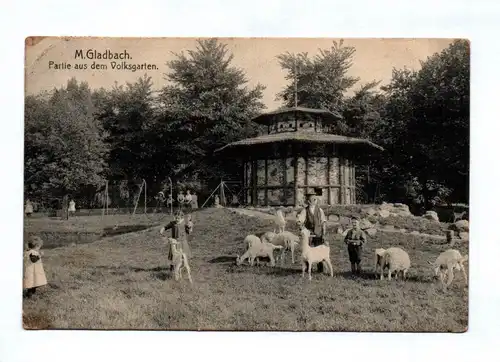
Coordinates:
(34, 275)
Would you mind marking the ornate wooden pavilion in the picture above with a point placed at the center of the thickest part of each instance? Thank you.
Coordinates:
(298, 153)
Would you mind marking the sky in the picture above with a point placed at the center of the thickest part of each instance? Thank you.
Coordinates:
(374, 59)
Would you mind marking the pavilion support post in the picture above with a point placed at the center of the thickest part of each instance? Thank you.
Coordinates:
(295, 177)
(329, 181)
(342, 181)
(266, 201)
(254, 183)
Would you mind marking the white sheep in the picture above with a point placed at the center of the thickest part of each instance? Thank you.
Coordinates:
(289, 241)
(448, 261)
(268, 236)
(179, 260)
(250, 240)
(256, 248)
(394, 259)
(313, 255)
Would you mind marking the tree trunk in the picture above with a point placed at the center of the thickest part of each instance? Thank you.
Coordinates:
(64, 211)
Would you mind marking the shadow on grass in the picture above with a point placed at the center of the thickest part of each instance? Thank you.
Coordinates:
(123, 229)
(223, 259)
(370, 275)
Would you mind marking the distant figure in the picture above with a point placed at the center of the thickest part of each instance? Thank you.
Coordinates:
(34, 275)
(170, 200)
(235, 200)
(216, 201)
(194, 201)
(187, 200)
(72, 208)
(28, 209)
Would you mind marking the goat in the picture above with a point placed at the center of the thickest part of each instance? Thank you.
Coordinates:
(179, 260)
(395, 259)
(312, 255)
(257, 248)
(449, 260)
(280, 221)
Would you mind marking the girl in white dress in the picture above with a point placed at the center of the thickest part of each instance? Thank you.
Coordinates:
(72, 208)
(34, 274)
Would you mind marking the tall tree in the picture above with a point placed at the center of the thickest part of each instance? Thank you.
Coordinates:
(128, 114)
(429, 120)
(207, 105)
(64, 147)
(321, 81)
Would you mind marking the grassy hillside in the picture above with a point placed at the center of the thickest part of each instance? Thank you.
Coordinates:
(122, 282)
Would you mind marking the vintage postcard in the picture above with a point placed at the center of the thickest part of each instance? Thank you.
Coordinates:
(246, 184)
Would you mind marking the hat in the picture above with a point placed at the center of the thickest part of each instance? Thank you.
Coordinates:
(310, 192)
(317, 191)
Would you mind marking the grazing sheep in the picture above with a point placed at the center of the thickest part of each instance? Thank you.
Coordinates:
(395, 259)
(280, 221)
(179, 260)
(312, 255)
(256, 249)
(446, 262)
(268, 236)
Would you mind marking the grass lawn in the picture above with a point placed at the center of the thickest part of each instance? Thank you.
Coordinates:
(121, 282)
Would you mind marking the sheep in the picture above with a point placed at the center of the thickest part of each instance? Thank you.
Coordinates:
(289, 241)
(311, 255)
(250, 240)
(256, 249)
(446, 262)
(179, 260)
(268, 236)
(395, 259)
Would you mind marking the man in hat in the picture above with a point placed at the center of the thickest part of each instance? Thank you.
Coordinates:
(314, 220)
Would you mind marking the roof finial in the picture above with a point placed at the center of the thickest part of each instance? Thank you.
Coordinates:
(295, 81)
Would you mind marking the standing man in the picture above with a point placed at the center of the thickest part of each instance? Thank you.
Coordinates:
(314, 220)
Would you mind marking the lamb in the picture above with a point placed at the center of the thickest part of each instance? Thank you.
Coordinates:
(179, 260)
(446, 262)
(257, 248)
(250, 240)
(395, 259)
(311, 255)
(289, 241)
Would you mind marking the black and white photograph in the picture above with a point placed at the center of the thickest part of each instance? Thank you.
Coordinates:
(246, 184)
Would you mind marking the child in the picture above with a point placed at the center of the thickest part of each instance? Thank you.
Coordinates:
(72, 208)
(179, 232)
(34, 275)
(355, 239)
(194, 201)
(180, 200)
(188, 199)
(28, 210)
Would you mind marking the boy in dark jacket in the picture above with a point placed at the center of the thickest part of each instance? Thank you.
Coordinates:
(355, 239)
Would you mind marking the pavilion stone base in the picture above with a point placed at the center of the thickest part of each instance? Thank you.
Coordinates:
(284, 181)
